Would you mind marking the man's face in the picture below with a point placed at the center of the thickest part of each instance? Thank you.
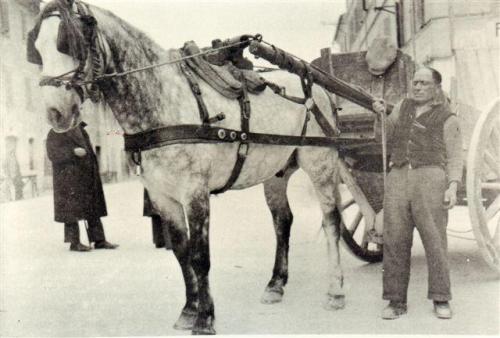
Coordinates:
(424, 87)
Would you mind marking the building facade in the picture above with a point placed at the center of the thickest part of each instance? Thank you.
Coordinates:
(460, 38)
(22, 119)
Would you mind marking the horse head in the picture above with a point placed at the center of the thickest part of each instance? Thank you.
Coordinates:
(63, 43)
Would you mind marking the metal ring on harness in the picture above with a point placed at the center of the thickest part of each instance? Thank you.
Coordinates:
(136, 157)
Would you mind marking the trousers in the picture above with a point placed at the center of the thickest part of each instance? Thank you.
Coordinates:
(95, 231)
(414, 199)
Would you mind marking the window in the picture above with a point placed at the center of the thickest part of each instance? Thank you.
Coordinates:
(4, 18)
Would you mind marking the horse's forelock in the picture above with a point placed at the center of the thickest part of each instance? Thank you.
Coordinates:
(74, 35)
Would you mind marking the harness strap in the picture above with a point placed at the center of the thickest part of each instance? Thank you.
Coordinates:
(307, 82)
(189, 133)
(195, 88)
(325, 126)
(243, 146)
(281, 91)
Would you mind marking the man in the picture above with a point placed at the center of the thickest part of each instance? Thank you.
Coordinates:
(78, 193)
(425, 169)
(161, 238)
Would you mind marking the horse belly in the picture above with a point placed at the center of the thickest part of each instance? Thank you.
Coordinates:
(262, 163)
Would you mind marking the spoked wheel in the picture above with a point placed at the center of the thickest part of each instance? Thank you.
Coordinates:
(359, 215)
(483, 184)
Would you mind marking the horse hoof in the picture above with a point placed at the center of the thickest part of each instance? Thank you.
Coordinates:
(204, 327)
(334, 302)
(272, 295)
(186, 321)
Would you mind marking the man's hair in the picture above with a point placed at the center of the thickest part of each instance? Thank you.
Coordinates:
(436, 76)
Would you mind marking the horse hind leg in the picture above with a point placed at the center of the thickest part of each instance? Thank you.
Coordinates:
(277, 201)
(173, 219)
(320, 165)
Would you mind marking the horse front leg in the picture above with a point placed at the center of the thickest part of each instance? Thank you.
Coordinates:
(198, 215)
(277, 201)
(174, 219)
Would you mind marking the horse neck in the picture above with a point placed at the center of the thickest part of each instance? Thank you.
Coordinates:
(146, 99)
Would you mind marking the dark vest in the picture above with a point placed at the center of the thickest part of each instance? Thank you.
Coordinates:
(419, 141)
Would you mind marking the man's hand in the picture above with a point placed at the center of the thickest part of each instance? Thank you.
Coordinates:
(379, 106)
(80, 152)
(450, 196)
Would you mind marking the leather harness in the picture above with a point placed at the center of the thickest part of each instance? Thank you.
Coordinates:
(205, 133)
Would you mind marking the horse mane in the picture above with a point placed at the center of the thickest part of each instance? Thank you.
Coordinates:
(132, 49)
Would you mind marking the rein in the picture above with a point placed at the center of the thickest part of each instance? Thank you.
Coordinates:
(69, 82)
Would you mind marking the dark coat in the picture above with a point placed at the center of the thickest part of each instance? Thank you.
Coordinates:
(78, 190)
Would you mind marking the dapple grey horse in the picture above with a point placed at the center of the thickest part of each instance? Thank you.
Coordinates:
(180, 177)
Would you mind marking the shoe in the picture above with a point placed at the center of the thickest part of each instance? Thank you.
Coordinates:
(105, 245)
(442, 310)
(79, 247)
(159, 245)
(394, 310)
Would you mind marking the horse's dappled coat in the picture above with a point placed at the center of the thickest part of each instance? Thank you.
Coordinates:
(180, 177)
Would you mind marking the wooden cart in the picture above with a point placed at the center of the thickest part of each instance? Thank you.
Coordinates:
(362, 168)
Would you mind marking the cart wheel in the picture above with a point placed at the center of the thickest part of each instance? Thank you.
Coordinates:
(483, 184)
(358, 218)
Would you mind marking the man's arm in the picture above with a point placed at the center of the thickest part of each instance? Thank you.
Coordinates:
(454, 165)
(453, 143)
(60, 149)
(390, 122)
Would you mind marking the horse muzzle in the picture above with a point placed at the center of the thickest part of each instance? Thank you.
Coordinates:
(62, 123)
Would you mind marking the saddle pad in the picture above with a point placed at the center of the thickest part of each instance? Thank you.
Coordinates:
(224, 79)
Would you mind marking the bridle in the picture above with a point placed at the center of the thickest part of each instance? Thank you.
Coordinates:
(93, 56)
